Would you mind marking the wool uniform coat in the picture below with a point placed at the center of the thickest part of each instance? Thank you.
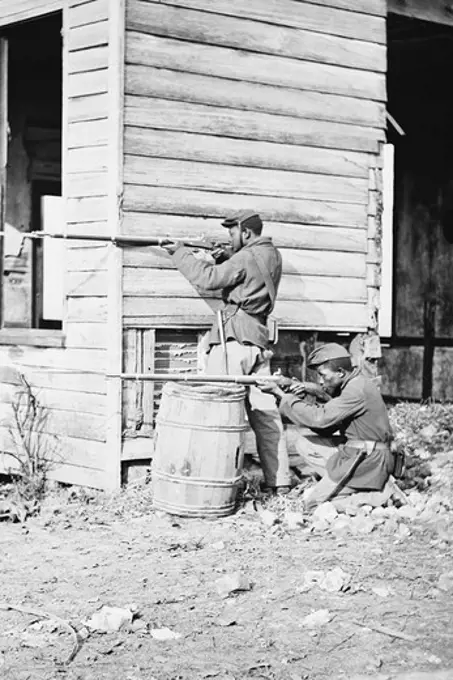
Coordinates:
(246, 296)
(359, 413)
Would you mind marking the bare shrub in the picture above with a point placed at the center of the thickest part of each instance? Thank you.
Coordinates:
(36, 452)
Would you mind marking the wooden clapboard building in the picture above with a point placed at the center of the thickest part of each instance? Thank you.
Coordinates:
(158, 118)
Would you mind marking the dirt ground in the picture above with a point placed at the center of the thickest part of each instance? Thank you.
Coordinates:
(85, 551)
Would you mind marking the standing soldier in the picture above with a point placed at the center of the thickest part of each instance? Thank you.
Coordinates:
(248, 275)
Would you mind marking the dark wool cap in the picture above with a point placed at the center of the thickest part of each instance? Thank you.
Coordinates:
(326, 352)
(246, 218)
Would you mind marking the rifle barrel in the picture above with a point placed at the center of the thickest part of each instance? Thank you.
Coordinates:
(120, 239)
(193, 378)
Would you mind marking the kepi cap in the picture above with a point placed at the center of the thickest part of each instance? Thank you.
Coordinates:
(245, 218)
(331, 350)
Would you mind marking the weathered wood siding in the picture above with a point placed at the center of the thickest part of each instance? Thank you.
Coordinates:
(12, 11)
(70, 381)
(277, 107)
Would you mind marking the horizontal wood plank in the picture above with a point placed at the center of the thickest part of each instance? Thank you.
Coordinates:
(61, 399)
(91, 59)
(210, 204)
(22, 10)
(148, 50)
(94, 158)
(377, 7)
(163, 114)
(305, 15)
(437, 11)
(87, 258)
(65, 423)
(42, 378)
(92, 107)
(88, 83)
(204, 89)
(161, 172)
(72, 452)
(86, 184)
(87, 284)
(88, 13)
(87, 133)
(87, 209)
(283, 234)
(142, 282)
(93, 35)
(252, 154)
(305, 262)
(86, 335)
(195, 312)
(61, 361)
(31, 337)
(86, 310)
(206, 28)
(80, 475)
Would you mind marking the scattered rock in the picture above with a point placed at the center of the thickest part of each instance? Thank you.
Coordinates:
(268, 518)
(408, 512)
(317, 619)
(163, 634)
(294, 520)
(403, 531)
(341, 526)
(320, 526)
(361, 525)
(228, 617)
(419, 656)
(310, 579)
(232, 583)
(219, 545)
(428, 432)
(445, 582)
(326, 512)
(335, 581)
(109, 619)
(382, 591)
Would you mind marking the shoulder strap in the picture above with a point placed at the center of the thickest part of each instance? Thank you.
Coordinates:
(265, 273)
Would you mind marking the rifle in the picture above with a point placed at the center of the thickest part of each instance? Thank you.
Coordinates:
(200, 379)
(122, 239)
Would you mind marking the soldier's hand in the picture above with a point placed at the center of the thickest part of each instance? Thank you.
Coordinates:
(300, 389)
(221, 253)
(270, 387)
(170, 246)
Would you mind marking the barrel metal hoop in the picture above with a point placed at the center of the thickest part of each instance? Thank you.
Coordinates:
(197, 481)
(195, 510)
(190, 426)
(177, 390)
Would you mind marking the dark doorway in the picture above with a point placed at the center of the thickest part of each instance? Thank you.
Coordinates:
(32, 102)
(420, 55)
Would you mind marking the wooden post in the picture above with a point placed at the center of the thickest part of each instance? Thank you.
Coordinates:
(117, 12)
(429, 314)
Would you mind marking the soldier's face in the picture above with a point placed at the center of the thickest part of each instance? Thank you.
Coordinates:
(329, 380)
(235, 238)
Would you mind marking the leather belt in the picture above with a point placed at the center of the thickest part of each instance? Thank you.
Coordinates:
(367, 445)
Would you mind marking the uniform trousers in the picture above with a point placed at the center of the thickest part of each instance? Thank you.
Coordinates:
(262, 412)
(313, 452)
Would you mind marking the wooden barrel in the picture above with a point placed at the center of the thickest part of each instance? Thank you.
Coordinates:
(199, 449)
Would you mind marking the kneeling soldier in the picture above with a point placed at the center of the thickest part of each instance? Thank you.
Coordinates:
(345, 401)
